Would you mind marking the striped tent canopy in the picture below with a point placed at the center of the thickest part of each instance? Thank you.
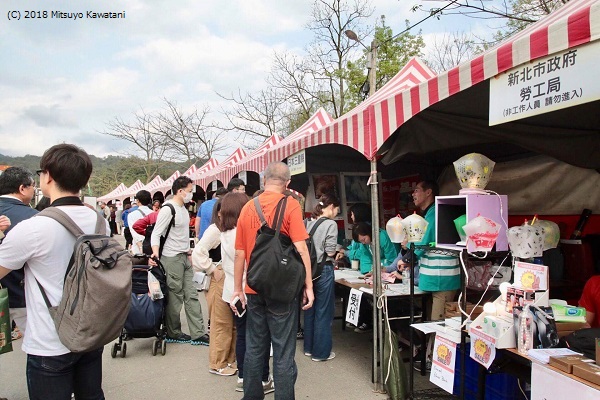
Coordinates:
(168, 183)
(219, 171)
(353, 129)
(153, 184)
(300, 139)
(210, 164)
(190, 171)
(257, 160)
(574, 24)
(131, 190)
(114, 192)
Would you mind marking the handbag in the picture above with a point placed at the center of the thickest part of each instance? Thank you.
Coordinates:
(5, 323)
(276, 270)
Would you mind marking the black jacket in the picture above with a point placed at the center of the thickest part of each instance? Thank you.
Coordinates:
(16, 211)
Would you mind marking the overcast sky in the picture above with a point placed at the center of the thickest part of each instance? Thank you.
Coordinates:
(62, 80)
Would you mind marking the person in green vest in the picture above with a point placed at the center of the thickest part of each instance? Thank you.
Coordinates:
(438, 274)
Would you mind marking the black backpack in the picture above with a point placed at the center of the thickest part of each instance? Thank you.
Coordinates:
(582, 341)
(146, 246)
(275, 270)
(316, 265)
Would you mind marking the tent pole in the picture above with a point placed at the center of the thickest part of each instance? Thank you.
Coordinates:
(377, 324)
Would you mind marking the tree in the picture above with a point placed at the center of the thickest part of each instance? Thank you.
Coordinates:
(450, 50)
(393, 52)
(513, 15)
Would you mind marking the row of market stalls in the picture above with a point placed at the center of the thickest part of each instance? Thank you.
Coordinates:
(530, 103)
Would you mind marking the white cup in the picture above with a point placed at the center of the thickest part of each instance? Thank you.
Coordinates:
(355, 264)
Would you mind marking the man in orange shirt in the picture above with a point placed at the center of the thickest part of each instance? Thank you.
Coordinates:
(269, 321)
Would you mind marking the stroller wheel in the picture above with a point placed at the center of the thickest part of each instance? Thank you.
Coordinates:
(163, 349)
(124, 350)
(155, 345)
(113, 352)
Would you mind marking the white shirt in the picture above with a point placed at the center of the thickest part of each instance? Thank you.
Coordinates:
(210, 240)
(227, 256)
(47, 247)
(132, 218)
(178, 240)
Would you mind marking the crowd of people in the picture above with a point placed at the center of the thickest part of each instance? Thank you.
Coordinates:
(245, 326)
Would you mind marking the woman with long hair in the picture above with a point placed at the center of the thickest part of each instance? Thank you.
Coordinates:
(318, 319)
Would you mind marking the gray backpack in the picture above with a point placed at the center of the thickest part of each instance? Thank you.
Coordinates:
(97, 288)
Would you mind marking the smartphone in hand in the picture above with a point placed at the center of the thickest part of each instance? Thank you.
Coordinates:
(238, 306)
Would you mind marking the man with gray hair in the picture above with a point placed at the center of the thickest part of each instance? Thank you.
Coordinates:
(270, 321)
(17, 189)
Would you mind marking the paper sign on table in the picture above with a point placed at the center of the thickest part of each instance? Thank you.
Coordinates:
(483, 348)
(353, 306)
(442, 363)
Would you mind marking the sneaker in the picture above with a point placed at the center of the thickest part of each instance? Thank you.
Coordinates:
(181, 338)
(417, 365)
(300, 334)
(202, 340)
(269, 386)
(240, 385)
(331, 357)
(350, 325)
(363, 328)
(307, 354)
(227, 371)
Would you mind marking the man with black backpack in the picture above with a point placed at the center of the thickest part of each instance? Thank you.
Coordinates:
(175, 258)
(269, 317)
(143, 199)
(53, 371)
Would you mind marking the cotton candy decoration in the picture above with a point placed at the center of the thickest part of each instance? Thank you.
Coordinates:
(482, 232)
(473, 172)
(551, 231)
(395, 230)
(526, 241)
(414, 227)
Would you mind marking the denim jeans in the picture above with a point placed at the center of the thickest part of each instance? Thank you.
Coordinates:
(57, 377)
(240, 349)
(319, 318)
(277, 323)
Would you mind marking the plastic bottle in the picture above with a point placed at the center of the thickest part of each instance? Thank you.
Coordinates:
(525, 333)
(406, 276)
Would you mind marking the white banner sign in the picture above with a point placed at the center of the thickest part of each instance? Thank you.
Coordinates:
(442, 363)
(297, 162)
(213, 186)
(353, 306)
(562, 80)
(243, 175)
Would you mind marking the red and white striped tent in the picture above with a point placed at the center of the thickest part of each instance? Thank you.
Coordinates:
(168, 183)
(153, 184)
(209, 165)
(190, 171)
(257, 160)
(300, 139)
(219, 171)
(131, 190)
(352, 129)
(110, 196)
(574, 24)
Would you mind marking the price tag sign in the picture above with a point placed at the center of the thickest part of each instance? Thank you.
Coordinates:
(483, 348)
(442, 363)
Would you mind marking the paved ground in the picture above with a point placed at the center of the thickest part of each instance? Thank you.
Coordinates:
(183, 372)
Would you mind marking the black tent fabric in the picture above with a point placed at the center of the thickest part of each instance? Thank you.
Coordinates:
(459, 125)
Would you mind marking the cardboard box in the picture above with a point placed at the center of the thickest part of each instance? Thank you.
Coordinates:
(589, 372)
(566, 363)
(569, 326)
(598, 351)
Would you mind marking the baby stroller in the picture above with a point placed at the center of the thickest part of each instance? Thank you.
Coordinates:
(146, 317)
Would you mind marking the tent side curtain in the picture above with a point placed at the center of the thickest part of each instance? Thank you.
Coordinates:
(575, 23)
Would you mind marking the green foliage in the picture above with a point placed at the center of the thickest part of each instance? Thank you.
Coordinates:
(392, 54)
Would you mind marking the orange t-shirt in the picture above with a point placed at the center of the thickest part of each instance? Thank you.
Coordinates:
(249, 223)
